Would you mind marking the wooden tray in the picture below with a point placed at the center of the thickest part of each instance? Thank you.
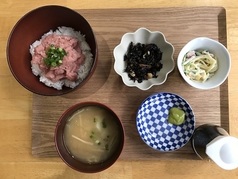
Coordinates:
(179, 25)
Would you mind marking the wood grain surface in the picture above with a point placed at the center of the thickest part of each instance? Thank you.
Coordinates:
(179, 26)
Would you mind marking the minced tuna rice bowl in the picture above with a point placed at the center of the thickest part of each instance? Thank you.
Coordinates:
(61, 58)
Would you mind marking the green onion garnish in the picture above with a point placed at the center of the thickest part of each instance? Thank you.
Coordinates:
(104, 125)
(54, 56)
(106, 147)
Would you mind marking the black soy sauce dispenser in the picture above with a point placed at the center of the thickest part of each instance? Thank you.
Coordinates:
(212, 141)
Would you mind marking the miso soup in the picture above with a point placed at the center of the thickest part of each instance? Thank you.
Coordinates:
(91, 134)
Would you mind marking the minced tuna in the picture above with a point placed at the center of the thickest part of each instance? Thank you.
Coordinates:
(75, 64)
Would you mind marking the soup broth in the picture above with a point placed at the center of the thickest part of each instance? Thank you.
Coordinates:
(91, 134)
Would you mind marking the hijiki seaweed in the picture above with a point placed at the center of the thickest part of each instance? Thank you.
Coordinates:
(143, 61)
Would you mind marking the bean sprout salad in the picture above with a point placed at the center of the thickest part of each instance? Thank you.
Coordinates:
(200, 65)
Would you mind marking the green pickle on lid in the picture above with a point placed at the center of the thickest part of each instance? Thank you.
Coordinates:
(176, 116)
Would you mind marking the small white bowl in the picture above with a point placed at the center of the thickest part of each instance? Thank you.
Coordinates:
(215, 47)
(144, 36)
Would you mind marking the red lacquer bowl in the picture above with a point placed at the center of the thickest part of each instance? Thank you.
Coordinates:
(77, 164)
(31, 27)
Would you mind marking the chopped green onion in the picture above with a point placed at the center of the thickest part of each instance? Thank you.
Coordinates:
(105, 139)
(98, 142)
(104, 125)
(54, 56)
(106, 147)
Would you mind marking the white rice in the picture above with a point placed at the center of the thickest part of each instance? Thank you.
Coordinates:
(84, 68)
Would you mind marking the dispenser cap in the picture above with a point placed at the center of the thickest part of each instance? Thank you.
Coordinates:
(223, 150)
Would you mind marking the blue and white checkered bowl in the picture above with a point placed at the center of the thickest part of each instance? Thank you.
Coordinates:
(154, 128)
